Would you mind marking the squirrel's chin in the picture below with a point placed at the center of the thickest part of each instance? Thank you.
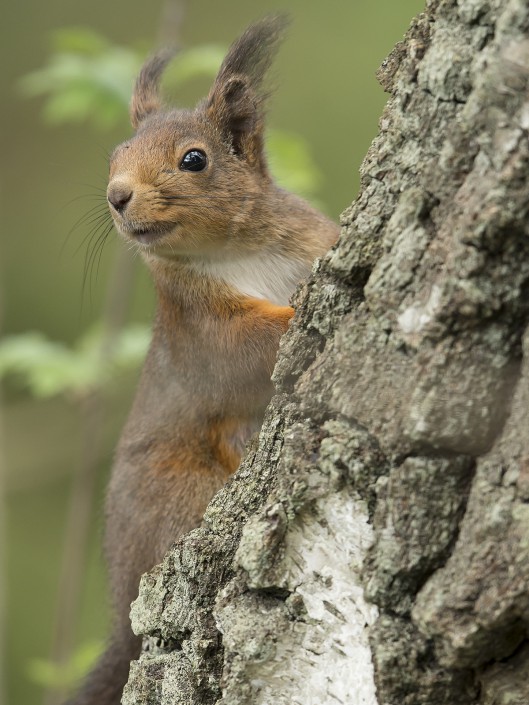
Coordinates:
(147, 239)
(146, 236)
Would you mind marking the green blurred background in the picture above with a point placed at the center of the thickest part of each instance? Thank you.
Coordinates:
(326, 93)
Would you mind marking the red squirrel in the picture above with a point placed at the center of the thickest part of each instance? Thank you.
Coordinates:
(226, 248)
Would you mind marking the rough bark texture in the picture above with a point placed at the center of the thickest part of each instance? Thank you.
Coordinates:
(374, 546)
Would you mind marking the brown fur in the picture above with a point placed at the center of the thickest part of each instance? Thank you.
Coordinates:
(206, 381)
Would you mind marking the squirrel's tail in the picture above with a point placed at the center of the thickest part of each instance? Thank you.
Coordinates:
(105, 682)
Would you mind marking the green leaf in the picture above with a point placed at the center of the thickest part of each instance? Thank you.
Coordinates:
(131, 347)
(89, 79)
(39, 362)
(198, 62)
(48, 369)
(78, 40)
(292, 164)
(57, 676)
(86, 79)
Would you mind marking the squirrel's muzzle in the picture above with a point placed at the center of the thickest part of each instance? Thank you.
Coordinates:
(119, 195)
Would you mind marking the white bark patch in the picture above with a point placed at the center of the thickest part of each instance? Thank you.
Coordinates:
(323, 657)
(415, 317)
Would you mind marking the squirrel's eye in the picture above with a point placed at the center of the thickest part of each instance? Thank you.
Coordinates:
(194, 160)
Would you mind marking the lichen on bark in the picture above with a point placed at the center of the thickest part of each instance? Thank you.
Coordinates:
(374, 545)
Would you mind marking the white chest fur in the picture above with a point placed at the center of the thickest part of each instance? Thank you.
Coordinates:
(263, 276)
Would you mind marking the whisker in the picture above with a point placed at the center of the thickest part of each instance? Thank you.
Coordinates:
(93, 253)
(99, 189)
(181, 196)
(170, 203)
(91, 196)
(93, 235)
(98, 222)
(97, 209)
(93, 213)
(159, 185)
(101, 248)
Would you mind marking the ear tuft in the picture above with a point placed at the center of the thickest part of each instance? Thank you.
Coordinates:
(251, 55)
(234, 108)
(145, 97)
(236, 100)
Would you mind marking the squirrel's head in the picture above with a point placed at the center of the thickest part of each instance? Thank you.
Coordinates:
(187, 181)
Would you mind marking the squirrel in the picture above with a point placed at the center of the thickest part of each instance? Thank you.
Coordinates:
(226, 248)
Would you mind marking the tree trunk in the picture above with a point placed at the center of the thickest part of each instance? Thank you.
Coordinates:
(374, 545)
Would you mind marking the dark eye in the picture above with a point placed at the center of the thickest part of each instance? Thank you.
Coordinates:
(194, 160)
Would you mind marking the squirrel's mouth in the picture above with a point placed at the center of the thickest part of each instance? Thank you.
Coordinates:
(148, 233)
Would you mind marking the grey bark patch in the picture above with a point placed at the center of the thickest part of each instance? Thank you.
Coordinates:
(507, 683)
(479, 602)
(408, 672)
(415, 531)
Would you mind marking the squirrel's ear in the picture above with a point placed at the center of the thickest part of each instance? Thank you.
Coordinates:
(145, 97)
(236, 101)
(236, 111)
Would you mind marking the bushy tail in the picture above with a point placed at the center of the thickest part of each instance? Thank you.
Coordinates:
(104, 684)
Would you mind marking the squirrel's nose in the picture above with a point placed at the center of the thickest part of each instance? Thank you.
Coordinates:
(119, 195)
